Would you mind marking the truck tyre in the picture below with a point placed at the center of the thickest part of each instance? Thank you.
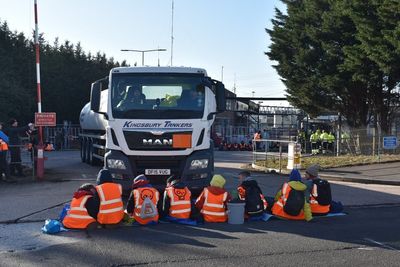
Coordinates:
(83, 149)
(89, 149)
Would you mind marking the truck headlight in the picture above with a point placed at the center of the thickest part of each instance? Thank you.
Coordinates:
(198, 164)
(116, 164)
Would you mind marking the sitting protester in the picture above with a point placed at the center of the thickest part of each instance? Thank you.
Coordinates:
(84, 208)
(251, 193)
(143, 201)
(290, 201)
(176, 202)
(111, 206)
(318, 191)
(213, 200)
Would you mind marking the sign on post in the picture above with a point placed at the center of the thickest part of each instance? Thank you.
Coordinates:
(45, 119)
(294, 156)
(389, 142)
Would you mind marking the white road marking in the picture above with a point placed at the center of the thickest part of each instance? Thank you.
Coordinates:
(381, 244)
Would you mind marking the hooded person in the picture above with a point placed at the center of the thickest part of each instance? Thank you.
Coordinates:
(290, 201)
(143, 201)
(111, 209)
(177, 199)
(213, 200)
(84, 208)
(251, 193)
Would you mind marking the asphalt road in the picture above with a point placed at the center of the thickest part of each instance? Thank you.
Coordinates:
(368, 236)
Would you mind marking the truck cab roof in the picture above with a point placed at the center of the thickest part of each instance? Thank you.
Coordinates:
(150, 69)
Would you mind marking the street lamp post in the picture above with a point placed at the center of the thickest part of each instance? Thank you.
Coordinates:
(144, 51)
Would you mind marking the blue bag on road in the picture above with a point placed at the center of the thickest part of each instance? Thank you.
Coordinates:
(52, 227)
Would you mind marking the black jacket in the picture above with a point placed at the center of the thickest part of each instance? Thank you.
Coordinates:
(14, 134)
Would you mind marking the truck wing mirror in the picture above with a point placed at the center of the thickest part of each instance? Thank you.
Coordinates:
(220, 96)
(95, 97)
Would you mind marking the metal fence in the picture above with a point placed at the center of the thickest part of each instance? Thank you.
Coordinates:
(368, 141)
(265, 150)
(63, 136)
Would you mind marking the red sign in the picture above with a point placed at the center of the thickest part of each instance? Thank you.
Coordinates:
(45, 119)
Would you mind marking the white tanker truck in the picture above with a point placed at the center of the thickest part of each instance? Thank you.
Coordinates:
(154, 121)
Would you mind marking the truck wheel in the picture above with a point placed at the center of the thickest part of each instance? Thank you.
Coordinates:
(83, 149)
(89, 149)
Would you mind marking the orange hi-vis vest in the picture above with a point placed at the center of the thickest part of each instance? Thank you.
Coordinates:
(314, 205)
(78, 217)
(214, 209)
(111, 210)
(3, 145)
(277, 209)
(140, 194)
(180, 202)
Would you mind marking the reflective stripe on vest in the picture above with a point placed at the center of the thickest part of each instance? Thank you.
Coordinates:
(78, 217)
(277, 208)
(152, 194)
(111, 209)
(180, 205)
(213, 207)
(314, 205)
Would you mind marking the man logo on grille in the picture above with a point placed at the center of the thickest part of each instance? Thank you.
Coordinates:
(157, 142)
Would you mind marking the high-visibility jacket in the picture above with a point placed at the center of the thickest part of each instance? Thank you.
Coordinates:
(277, 209)
(180, 206)
(111, 210)
(315, 206)
(314, 137)
(78, 217)
(324, 137)
(331, 138)
(3, 145)
(214, 209)
(140, 194)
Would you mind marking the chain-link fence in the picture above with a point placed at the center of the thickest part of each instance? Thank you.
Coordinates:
(368, 141)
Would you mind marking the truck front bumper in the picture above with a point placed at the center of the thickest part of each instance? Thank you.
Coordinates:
(180, 166)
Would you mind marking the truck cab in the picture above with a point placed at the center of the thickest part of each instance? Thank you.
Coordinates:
(158, 123)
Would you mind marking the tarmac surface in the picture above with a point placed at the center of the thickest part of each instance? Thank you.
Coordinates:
(367, 236)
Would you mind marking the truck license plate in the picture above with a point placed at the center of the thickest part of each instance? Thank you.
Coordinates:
(157, 172)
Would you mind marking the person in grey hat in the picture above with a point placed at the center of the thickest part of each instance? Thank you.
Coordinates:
(318, 192)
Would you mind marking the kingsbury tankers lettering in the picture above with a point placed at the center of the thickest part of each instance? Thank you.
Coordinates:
(166, 124)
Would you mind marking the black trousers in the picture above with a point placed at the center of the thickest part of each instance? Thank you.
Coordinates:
(15, 164)
(3, 164)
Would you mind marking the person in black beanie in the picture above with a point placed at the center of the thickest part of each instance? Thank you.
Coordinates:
(14, 134)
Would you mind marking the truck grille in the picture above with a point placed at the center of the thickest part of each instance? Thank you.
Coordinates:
(149, 141)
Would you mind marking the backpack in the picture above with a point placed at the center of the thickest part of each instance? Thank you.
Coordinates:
(148, 210)
(254, 203)
(324, 197)
(294, 203)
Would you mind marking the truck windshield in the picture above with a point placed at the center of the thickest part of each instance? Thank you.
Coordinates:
(157, 96)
